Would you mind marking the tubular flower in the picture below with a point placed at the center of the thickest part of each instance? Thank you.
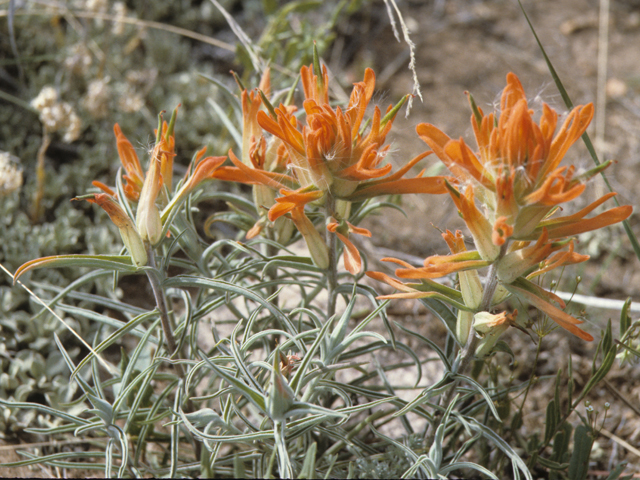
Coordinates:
(438, 266)
(128, 232)
(148, 216)
(134, 176)
(352, 259)
(293, 203)
(163, 152)
(259, 155)
(168, 150)
(331, 151)
(202, 169)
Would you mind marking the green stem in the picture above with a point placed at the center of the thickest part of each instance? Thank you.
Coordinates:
(464, 360)
(161, 304)
(332, 269)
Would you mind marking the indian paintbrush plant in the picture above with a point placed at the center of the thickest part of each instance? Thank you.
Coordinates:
(288, 383)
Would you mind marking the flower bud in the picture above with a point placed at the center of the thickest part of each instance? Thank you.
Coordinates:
(148, 216)
(280, 395)
(491, 326)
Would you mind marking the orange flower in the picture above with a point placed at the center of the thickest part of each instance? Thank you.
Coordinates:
(163, 152)
(293, 200)
(251, 104)
(438, 266)
(168, 150)
(202, 169)
(127, 228)
(352, 260)
(332, 153)
(134, 176)
(516, 175)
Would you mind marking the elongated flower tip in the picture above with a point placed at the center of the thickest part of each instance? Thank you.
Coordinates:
(291, 200)
(116, 213)
(134, 176)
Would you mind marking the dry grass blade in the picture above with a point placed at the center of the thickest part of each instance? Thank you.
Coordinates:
(620, 442)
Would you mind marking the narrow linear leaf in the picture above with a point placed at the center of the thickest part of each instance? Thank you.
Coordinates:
(120, 263)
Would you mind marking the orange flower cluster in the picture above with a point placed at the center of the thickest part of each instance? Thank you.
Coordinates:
(151, 191)
(334, 156)
(517, 178)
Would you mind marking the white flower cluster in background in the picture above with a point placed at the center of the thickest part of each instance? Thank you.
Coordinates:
(57, 116)
(10, 174)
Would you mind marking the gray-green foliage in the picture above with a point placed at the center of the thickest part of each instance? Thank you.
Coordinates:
(108, 72)
(272, 385)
